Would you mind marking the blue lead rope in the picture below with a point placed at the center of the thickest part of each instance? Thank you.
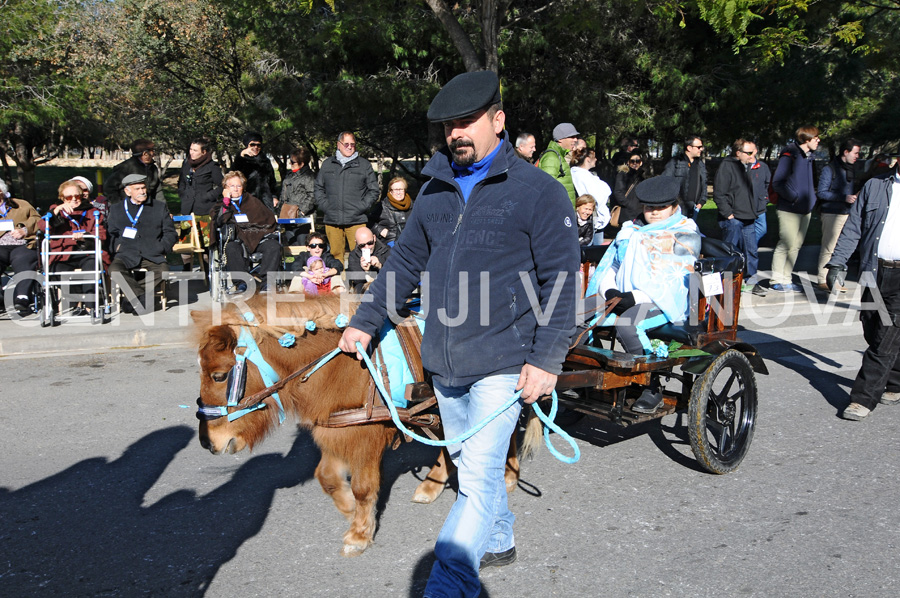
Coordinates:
(545, 418)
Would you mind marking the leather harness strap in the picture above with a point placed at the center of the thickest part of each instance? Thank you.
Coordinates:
(610, 305)
(410, 338)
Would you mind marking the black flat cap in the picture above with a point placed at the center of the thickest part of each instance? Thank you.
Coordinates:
(658, 191)
(463, 95)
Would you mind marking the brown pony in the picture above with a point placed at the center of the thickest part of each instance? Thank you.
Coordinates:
(340, 384)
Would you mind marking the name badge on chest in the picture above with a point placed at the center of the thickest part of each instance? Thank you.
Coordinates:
(130, 232)
(6, 225)
(241, 218)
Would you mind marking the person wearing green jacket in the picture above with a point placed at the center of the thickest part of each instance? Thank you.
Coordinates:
(553, 160)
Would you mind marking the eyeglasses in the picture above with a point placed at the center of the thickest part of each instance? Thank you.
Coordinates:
(635, 161)
(699, 147)
(369, 244)
(399, 190)
(254, 144)
(348, 145)
(71, 197)
(316, 245)
(235, 186)
(753, 153)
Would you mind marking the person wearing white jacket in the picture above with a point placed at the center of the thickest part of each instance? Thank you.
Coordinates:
(587, 183)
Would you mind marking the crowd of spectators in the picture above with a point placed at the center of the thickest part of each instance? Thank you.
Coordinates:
(357, 231)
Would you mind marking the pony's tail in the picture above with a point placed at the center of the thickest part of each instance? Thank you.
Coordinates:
(533, 439)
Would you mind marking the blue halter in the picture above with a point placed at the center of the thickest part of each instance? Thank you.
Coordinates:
(236, 391)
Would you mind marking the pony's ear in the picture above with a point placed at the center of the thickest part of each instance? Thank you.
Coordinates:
(222, 338)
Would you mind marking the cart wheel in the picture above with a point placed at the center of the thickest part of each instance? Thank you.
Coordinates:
(722, 412)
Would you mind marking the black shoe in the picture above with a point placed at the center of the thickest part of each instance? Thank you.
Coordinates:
(22, 305)
(126, 307)
(498, 559)
(648, 402)
(79, 311)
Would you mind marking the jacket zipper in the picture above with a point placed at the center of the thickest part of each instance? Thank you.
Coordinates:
(451, 269)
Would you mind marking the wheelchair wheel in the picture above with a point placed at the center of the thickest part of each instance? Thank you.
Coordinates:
(216, 277)
(722, 412)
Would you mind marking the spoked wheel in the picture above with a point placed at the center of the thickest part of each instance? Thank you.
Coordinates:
(216, 277)
(722, 412)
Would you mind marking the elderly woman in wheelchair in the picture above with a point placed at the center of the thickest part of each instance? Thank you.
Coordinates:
(647, 269)
(245, 229)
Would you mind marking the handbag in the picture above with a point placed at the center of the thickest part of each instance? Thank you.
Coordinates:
(289, 211)
(616, 212)
(614, 216)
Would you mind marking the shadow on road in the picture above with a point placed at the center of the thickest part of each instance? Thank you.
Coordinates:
(86, 530)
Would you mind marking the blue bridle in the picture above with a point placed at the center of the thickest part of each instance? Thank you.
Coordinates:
(236, 379)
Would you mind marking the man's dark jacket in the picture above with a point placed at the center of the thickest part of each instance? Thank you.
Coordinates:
(155, 232)
(865, 225)
(355, 273)
(834, 187)
(518, 230)
(761, 177)
(680, 168)
(793, 181)
(199, 190)
(345, 193)
(260, 177)
(733, 191)
(112, 186)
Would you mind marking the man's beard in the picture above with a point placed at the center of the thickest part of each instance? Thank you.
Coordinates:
(461, 159)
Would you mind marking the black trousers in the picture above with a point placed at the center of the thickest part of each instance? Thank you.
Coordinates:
(83, 292)
(271, 256)
(22, 259)
(118, 272)
(880, 369)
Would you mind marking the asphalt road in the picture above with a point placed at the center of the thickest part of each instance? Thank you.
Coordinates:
(105, 491)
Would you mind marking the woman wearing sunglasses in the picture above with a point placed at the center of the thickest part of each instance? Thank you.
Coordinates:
(627, 178)
(71, 219)
(316, 246)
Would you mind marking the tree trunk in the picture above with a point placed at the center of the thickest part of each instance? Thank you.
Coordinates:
(458, 37)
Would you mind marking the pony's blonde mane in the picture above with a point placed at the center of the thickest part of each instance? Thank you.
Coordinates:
(291, 316)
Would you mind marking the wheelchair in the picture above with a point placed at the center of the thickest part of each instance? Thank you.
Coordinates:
(219, 282)
(56, 287)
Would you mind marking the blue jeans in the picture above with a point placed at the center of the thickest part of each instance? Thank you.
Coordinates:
(480, 520)
(742, 234)
(762, 227)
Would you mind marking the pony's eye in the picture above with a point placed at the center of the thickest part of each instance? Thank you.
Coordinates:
(219, 376)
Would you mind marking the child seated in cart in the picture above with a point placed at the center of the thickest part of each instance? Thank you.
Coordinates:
(647, 268)
(316, 280)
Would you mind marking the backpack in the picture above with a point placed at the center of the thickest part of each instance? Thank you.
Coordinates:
(562, 172)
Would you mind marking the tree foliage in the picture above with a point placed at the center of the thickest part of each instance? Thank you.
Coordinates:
(301, 71)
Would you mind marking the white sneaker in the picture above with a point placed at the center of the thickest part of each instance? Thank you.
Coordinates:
(855, 412)
(890, 398)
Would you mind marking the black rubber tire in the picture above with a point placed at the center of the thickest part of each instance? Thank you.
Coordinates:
(722, 412)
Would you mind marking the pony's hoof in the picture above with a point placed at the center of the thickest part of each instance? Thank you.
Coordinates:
(351, 550)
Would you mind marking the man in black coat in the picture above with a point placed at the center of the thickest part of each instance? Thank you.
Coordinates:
(689, 169)
(142, 162)
(345, 190)
(366, 260)
(140, 233)
(737, 204)
(256, 166)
